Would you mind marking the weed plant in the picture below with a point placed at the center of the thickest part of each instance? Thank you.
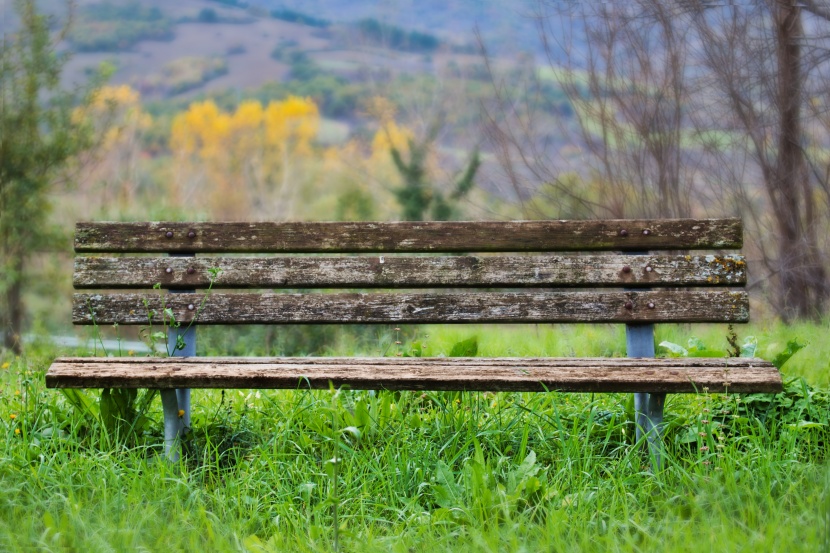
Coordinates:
(410, 471)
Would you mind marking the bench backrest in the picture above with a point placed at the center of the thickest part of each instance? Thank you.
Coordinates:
(638, 287)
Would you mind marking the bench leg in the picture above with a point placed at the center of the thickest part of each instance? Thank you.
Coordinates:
(648, 408)
(173, 425)
(189, 337)
(649, 413)
(183, 394)
(183, 397)
(174, 402)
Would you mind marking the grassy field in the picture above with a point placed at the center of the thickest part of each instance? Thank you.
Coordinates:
(361, 471)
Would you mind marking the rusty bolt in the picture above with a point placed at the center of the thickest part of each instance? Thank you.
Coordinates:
(190, 307)
(651, 305)
(629, 305)
(169, 234)
(626, 269)
(649, 269)
(191, 234)
(623, 233)
(168, 270)
(190, 270)
(646, 232)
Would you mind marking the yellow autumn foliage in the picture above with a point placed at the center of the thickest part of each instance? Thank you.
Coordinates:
(120, 95)
(112, 172)
(391, 135)
(202, 130)
(246, 127)
(116, 110)
(253, 151)
(294, 120)
(205, 130)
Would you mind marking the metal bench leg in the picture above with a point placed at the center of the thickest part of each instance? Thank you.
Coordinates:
(649, 413)
(172, 425)
(183, 397)
(648, 408)
(177, 426)
(174, 402)
(183, 394)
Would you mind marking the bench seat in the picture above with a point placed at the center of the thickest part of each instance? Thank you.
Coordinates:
(520, 374)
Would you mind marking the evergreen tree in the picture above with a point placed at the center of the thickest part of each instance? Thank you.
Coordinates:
(418, 196)
(38, 135)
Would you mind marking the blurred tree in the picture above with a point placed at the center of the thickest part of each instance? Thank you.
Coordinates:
(680, 109)
(290, 127)
(38, 135)
(111, 185)
(764, 59)
(419, 195)
(237, 160)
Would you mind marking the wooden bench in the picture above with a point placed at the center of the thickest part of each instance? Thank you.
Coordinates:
(637, 288)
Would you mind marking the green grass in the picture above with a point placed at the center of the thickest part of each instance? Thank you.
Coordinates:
(266, 471)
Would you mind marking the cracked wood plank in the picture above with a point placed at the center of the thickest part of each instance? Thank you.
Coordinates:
(471, 374)
(411, 272)
(388, 237)
(478, 307)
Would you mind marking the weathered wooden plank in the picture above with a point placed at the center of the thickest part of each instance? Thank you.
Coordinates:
(518, 307)
(448, 362)
(411, 272)
(472, 374)
(388, 237)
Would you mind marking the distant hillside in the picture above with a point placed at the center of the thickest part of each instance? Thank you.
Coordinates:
(191, 47)
(505, 26)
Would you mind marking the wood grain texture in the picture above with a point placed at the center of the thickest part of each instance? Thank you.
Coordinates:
(472, 374)
(478, 307)
(411, 272)
(516, 236)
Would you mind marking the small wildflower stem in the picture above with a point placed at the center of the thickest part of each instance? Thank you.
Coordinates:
(118, 338)
(95, 328)
(397, 341)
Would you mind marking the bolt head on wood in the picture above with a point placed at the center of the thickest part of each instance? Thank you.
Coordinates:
(191, 234)
(651, 305)
(190, 270)
(168, 270)
(169, 234)
(646, 232)
(190, 307)
(649, 269)
(626, 269)
(623, 232)
(629, 305)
